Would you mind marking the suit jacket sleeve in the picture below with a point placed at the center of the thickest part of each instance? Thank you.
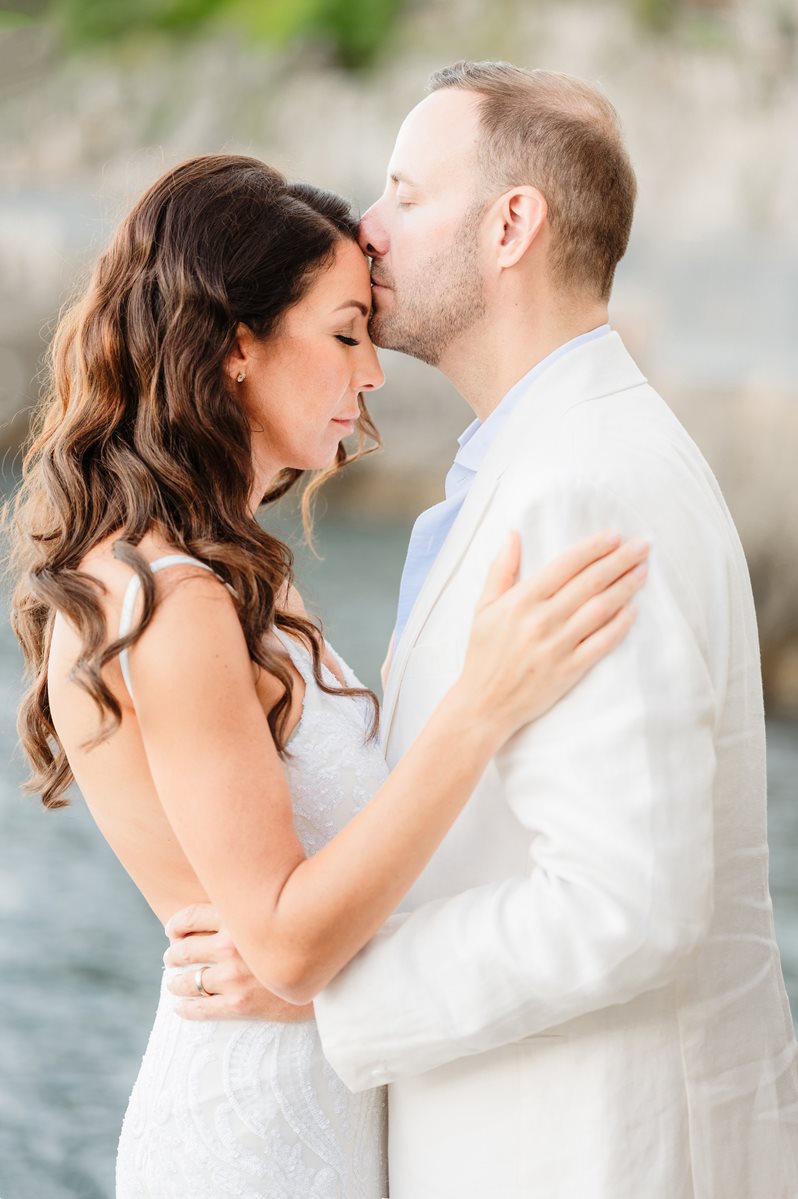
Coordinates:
(613, 789)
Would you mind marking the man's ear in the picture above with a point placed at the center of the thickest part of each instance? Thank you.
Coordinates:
(522, 213)
(239, 359)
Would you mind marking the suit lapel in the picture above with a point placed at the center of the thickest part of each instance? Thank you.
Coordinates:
(598, 368)
(452, 550)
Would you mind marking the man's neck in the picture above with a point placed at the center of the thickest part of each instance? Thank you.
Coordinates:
(487, 361)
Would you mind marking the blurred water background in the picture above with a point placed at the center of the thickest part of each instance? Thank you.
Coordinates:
(96, 100)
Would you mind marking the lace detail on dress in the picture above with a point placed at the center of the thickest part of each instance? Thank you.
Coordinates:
(332, 733)
(251, 1109)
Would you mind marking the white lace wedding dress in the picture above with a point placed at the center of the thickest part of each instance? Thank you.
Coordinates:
(247, 1108)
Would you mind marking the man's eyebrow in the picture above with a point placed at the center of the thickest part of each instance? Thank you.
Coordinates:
(362, 309)
(400, 177)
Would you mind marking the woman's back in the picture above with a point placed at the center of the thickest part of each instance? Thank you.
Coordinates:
(114, 777)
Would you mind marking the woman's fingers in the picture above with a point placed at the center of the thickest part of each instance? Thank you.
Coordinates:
(596, 612)
(530, 644)
(503, 571)
(597, 576)
(555, 574)
(599, 644)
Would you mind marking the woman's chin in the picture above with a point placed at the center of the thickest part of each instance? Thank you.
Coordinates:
(316, 462)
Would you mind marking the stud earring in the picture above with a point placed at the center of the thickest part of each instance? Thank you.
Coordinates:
(241, 377)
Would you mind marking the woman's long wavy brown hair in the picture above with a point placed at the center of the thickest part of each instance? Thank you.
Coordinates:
(138, 428)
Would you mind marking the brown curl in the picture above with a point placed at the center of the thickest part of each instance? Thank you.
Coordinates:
(138, 430)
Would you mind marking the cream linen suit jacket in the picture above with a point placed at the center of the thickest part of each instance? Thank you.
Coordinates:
(582, 997)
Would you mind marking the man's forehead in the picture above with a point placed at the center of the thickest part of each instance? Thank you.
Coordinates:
(438, 138)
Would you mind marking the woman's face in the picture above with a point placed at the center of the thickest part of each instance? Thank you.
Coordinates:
(302, 383)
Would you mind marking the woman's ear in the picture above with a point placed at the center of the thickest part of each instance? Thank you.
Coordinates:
(522, 213)
(239, 359)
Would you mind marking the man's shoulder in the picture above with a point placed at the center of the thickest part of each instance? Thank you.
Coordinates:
(636, 471)
(630, 445)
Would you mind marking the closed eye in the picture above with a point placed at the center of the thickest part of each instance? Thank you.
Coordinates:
(348, 341)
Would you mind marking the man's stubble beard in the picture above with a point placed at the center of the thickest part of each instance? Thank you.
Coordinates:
(442, 300)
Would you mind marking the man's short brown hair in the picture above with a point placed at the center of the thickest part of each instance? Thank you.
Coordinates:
(562, 136)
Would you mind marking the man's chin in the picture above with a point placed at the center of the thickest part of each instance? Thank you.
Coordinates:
(380, 332)
(387, 339)
(387, 334)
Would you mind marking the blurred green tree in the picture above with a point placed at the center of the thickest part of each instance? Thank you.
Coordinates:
(657, 14)
(354, 30)
(663, 15)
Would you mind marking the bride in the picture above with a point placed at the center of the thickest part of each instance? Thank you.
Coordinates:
(226, 752)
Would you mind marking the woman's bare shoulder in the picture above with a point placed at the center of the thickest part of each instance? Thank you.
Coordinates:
(114, 575)
(291, 601)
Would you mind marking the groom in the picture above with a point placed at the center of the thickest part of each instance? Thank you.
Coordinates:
(582, 996)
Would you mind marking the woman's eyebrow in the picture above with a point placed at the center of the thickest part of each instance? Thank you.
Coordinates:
(362, 309)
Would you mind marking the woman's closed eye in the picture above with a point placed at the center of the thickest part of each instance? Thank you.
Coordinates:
(348, 341)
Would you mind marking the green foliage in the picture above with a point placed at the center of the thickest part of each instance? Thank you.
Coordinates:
(93, 21)
(278, 22)
(13, 19)
(354, 30)
(357, 28)
(658, 15)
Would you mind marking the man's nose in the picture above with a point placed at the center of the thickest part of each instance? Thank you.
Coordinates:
(371, 236)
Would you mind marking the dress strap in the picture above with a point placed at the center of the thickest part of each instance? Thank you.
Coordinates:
(297, 652)
(303, 660)
(129, 604)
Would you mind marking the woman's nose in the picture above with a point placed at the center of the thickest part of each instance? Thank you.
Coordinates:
(372, 375)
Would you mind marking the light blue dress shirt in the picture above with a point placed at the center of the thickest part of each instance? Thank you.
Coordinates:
(432, 527)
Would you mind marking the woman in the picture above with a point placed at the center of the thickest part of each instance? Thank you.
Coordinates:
(225, 751)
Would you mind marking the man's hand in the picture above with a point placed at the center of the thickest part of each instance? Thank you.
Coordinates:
(197, 937)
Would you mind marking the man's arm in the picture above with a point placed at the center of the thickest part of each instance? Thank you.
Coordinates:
(614, 789)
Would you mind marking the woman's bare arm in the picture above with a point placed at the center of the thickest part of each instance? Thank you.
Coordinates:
(297, 921)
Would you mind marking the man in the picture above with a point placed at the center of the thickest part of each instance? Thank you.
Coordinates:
(582, 996)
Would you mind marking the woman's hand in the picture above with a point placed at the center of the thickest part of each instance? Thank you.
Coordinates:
(531, 642)
(299, 920)
(199, 940)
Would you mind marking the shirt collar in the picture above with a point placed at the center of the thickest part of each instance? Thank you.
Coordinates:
(477, 439)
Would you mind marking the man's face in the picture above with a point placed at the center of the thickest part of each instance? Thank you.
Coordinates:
(423, 232)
